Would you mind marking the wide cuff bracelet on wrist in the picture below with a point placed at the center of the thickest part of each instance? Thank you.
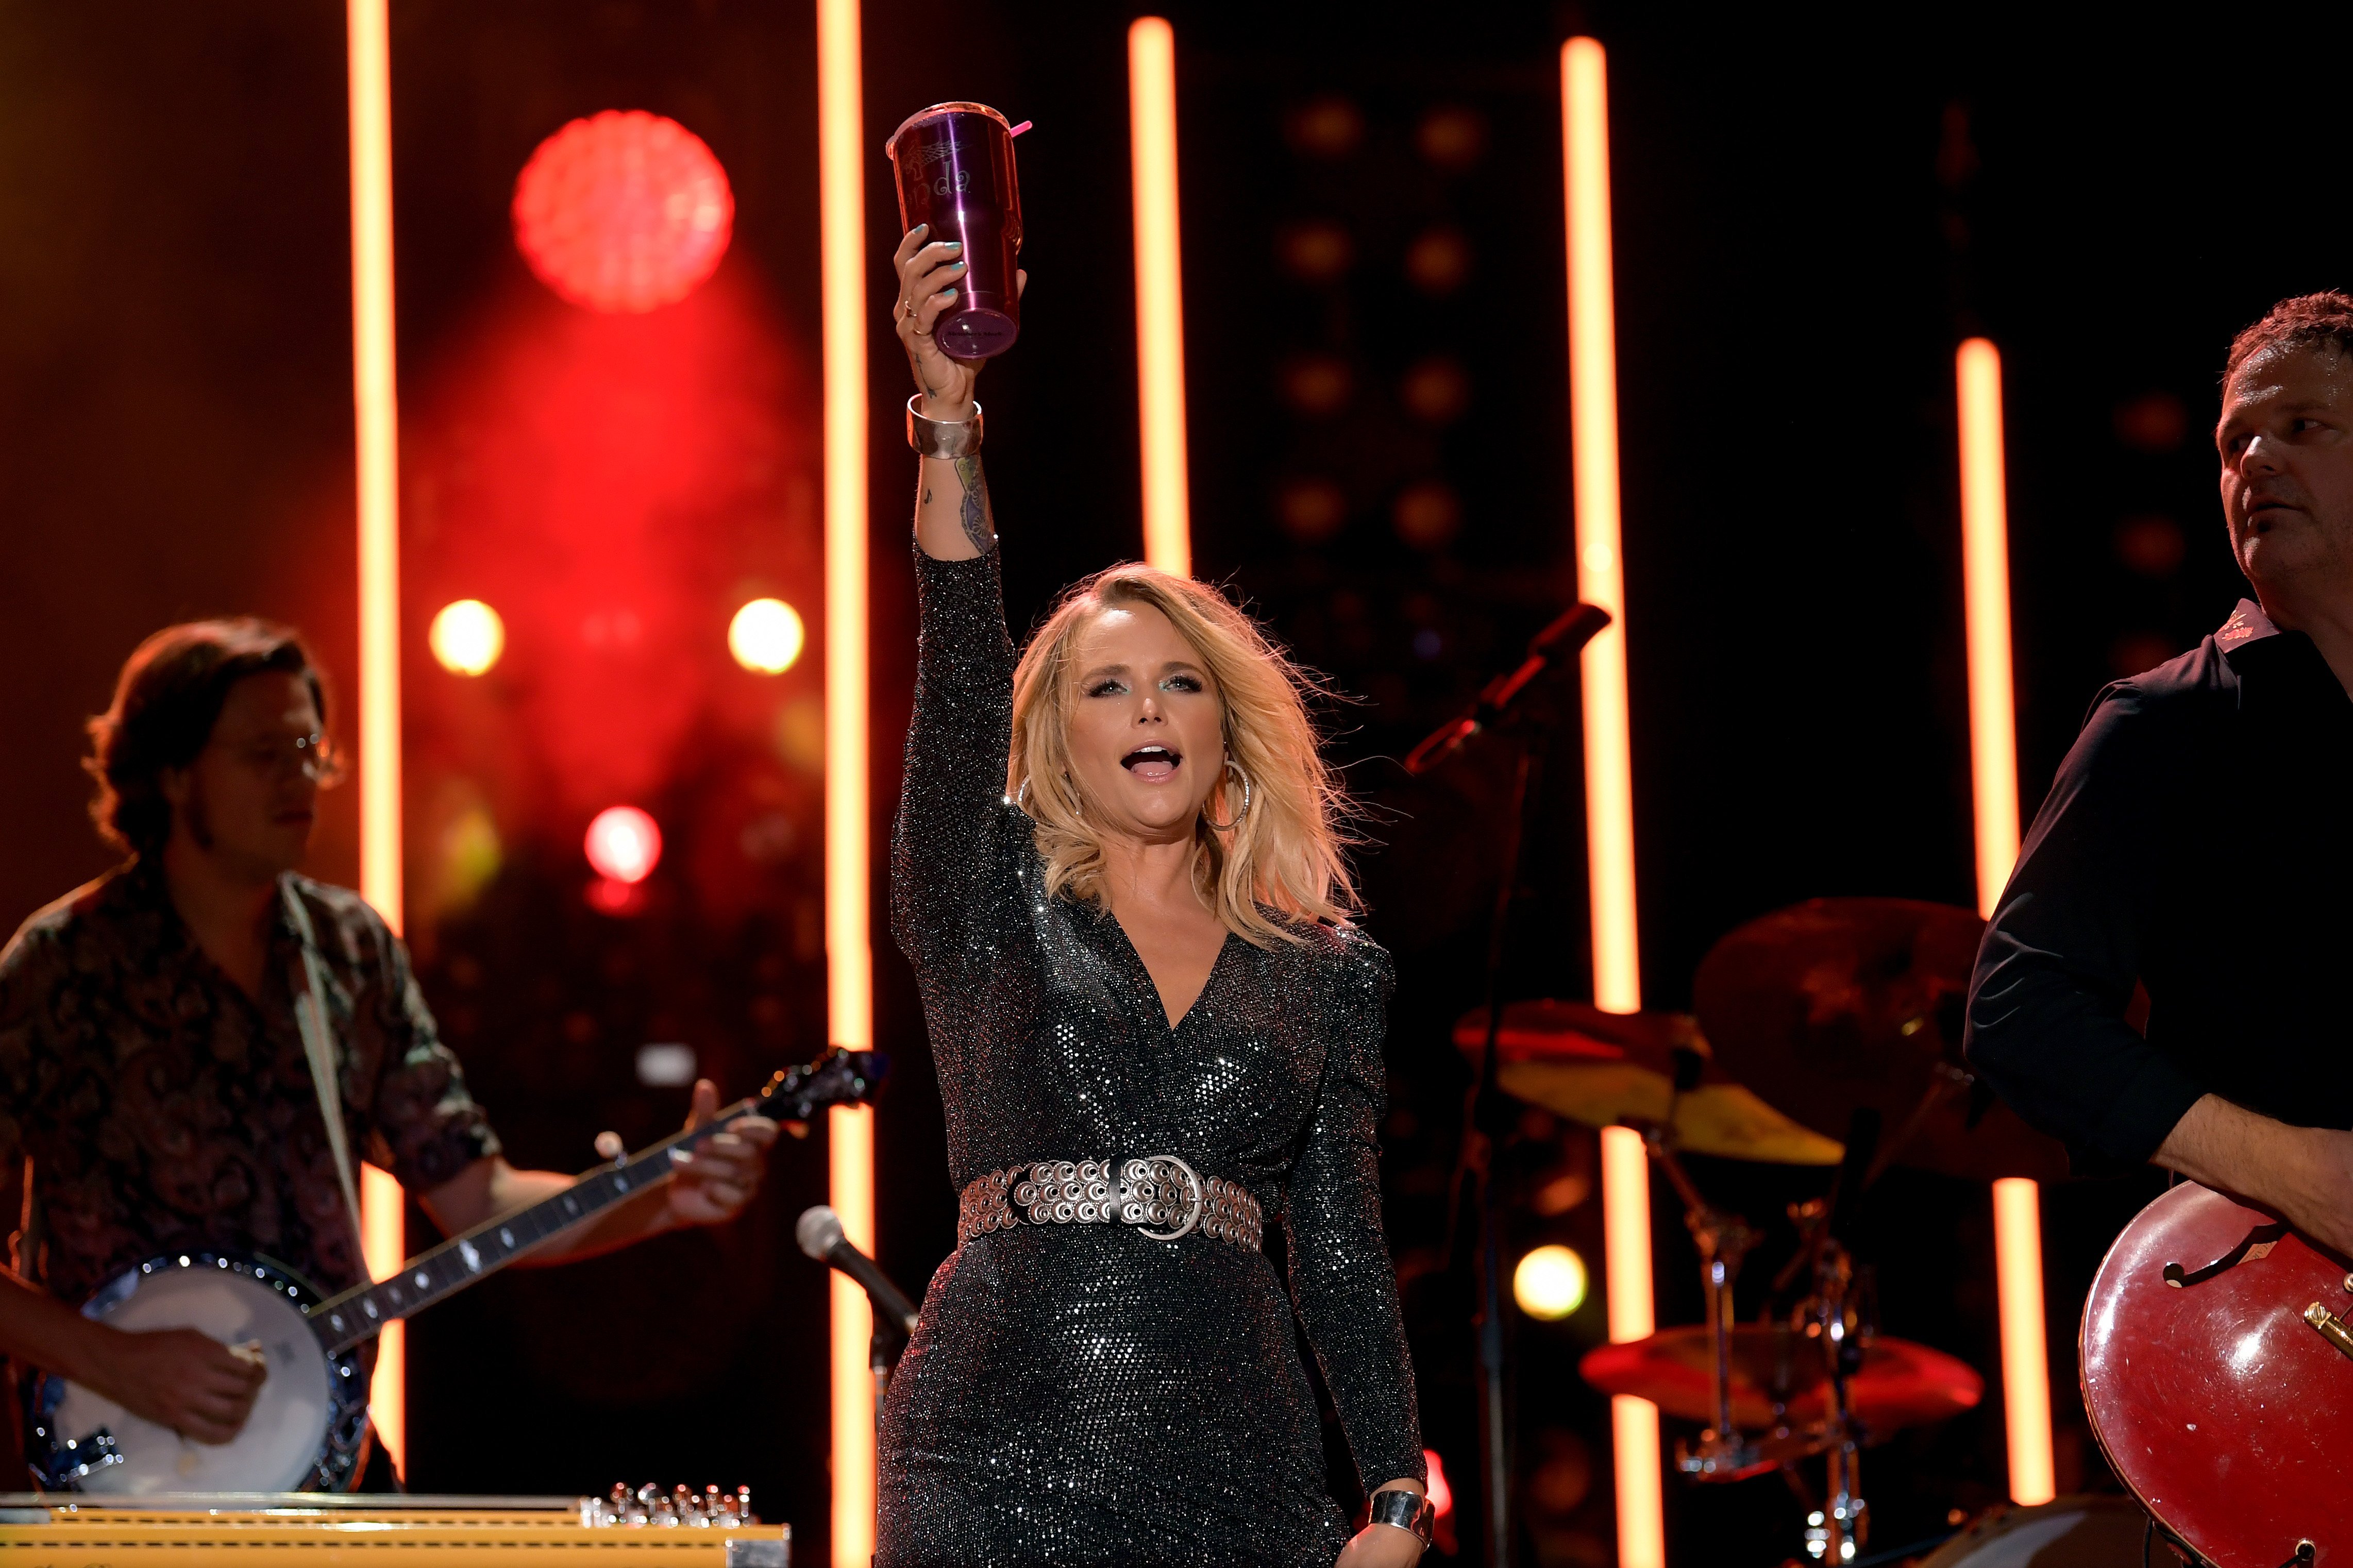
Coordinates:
(943, 437)
(1405, 1511)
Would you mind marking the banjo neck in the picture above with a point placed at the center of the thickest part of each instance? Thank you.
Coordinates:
(359, 1314)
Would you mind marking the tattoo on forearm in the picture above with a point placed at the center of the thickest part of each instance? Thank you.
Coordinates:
(975, 503)
(927, 495)
(915, 363)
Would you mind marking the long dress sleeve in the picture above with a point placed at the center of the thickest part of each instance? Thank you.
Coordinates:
(951, 804)
(1342, 1281)
(2056, 970)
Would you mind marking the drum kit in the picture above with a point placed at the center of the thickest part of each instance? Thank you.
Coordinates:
(1826, 1035)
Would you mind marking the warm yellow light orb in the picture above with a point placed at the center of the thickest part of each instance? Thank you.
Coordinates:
(766, 636)
(1550, 1283)
(468, 636)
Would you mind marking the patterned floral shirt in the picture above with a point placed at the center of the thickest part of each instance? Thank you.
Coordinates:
(162, 1109)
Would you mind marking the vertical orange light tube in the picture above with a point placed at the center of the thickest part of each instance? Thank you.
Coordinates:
(376, 405)
(1633, 1423)
(1159, 294)
(1993, 773)
(849, 959)
(2025, 1380)
(1600, 577)
(384, 1245)
(1984, 578)
(1609, 760)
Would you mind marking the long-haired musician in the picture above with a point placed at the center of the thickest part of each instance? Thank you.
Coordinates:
(152, 1071)
(1116, 872)
(2198, 840)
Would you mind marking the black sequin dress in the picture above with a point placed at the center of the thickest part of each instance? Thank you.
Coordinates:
(1083, 1394)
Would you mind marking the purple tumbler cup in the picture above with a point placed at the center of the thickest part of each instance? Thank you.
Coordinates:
(955, 164)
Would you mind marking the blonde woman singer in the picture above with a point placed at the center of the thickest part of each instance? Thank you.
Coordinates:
(1118, 876)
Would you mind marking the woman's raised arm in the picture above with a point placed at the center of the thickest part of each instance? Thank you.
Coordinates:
(952, 519)
(963, 724)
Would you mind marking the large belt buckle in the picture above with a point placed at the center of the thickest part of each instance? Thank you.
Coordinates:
(1156, 1171)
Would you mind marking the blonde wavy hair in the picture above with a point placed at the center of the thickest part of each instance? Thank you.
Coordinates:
(1285, 853)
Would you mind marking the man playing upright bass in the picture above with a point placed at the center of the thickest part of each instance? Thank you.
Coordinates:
(2199, 841)
(155, 1079)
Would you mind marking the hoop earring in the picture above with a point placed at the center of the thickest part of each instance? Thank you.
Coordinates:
(1234, 767)
(1022, 795)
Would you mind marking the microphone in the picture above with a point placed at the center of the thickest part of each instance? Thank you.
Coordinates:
(1570, 631)
(820, 1234)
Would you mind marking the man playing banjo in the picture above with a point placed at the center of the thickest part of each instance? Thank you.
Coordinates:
(156, 1080)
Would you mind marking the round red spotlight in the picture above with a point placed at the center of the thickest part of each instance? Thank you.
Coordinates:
(624, 843)
(626, 212)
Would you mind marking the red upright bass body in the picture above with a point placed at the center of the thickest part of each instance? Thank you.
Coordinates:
(2218, 1370)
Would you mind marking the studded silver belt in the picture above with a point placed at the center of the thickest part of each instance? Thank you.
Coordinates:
(1158, 1193)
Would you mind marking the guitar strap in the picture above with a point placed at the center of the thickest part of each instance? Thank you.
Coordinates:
(311, 1017)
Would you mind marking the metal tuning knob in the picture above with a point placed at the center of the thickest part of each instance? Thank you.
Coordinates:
(681, 1508)
(78, 1458)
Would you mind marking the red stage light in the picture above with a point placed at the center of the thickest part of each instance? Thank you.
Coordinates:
(626, 212)
(624, 843)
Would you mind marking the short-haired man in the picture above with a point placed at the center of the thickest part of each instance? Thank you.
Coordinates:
(2198, 840)
(152, 1068)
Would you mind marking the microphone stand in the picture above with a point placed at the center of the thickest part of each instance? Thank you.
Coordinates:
(819, 1234)
(1487, 1116)
(883, 1348)
(1487, 1110)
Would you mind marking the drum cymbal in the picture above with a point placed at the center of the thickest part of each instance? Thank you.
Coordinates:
(1901, 1383)
(1602, 1069)
(1836, 1004)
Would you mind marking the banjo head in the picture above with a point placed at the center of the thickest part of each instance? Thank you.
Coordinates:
(309, 1421)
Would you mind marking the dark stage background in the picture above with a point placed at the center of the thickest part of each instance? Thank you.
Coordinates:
(1806, 222)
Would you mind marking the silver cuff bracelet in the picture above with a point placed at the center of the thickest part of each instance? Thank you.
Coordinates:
(1406, 1511)
(943, 437)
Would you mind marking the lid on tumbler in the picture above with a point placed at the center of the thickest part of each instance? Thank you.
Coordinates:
(891, 148)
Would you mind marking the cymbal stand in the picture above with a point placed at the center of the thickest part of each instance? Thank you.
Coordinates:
(1945, 1081)
(1835, 1533)
(1835, 1319)
(1724, 1239)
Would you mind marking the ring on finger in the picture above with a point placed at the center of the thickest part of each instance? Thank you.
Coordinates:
(909, 307)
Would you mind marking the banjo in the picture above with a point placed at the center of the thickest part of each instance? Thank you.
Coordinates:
(308, 1426)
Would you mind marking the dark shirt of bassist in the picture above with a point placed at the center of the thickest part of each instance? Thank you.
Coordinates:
(2196, 840)
(2196, 844)
(157, 1082)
